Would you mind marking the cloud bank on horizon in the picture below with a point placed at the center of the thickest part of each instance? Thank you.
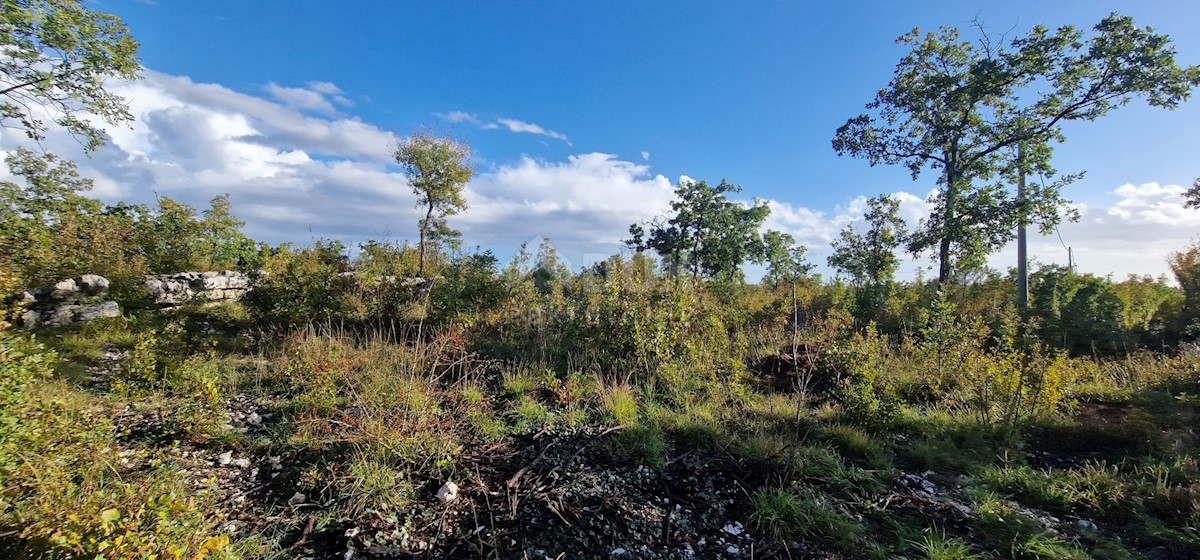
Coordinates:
(298, 167)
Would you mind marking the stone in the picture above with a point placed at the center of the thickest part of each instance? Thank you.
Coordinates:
(31, 319)
(93, 284)
(225, 458)
(63, 289)
(447, 493)
(63, 315)
(106, 310)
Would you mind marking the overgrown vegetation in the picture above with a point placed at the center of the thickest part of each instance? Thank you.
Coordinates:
(401, 401)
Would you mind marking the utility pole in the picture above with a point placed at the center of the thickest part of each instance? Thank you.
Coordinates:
(1022, 257)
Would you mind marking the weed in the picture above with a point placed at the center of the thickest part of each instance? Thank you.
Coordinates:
(940, 547)
(619, 403)
(639, 443)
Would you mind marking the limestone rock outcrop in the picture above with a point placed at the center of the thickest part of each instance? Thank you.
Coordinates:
(74, 300)
(170, 290)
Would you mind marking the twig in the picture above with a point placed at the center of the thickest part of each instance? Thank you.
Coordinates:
(308, 527)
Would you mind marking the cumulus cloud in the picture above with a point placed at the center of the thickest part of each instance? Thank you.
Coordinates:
(296, 173)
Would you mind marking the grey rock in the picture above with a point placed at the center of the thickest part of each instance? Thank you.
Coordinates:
(93, 284)
(106, 310)
(31, 319)
(63, 289)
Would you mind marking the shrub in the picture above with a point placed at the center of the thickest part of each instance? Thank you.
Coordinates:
(301, 286)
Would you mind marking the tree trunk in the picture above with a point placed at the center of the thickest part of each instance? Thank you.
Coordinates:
(424, 236)
(949, 218)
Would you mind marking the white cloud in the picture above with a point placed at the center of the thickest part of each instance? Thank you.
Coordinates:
(318, 96)
(458, 117)
(645, 155)
(517, 126)
(294, 174)
(511, 125)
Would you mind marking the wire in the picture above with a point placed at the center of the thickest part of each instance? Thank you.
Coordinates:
(1042, 182)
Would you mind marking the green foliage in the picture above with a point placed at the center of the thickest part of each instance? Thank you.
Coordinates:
(619, 403)
(642, 444)
(784, 515)
(1080, 313)
(964, 110)
(940, 547)
(58, 55)
(22, 362)
(856, 366)
(301, 286)
(869, 259)
(1146, 301)
(1186, 267)
(49, 230)
(708, 233)
(438, 168)
(173, 239)
(468, 290)
(1003, 381)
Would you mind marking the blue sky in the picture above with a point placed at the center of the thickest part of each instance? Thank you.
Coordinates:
(750, 91)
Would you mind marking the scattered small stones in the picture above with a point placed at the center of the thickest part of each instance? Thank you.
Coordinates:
(296, 499)
(1085, 525)
(447, 493)
(734, 529)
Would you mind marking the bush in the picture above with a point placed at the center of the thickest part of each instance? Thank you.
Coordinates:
(301, 287)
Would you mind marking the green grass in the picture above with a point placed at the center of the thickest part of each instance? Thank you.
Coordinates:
(639, 444)
(938, 546)
(619, 403)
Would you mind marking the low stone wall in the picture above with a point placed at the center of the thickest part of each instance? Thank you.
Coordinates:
(75, 300)
(170, 290)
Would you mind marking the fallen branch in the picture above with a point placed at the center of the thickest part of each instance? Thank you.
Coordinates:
(308, 528)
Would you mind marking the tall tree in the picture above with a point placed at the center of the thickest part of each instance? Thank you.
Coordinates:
(57, 56)
(963, 109)
(708, 233)
(787, 263)
(869, 258)
(438, 169)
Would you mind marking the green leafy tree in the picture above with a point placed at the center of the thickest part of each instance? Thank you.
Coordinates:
(964, 110)
(1185, 265)
(1192, 196)
(438, 169)
(224, 244)
(709, 234)
(549, 271)
(57, 56)
(869, 258)
(1143, 299)
(49, 229)
(1079, 312)
(787, 264)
